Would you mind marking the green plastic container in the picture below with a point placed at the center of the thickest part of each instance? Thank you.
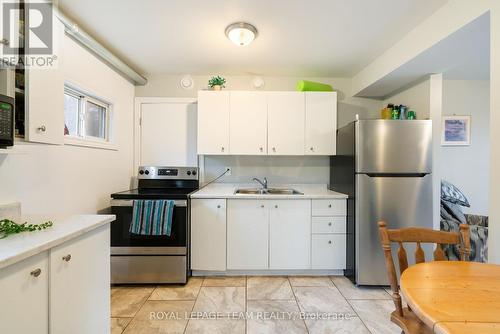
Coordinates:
(311, 86)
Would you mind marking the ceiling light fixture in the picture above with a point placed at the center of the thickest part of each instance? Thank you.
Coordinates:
(241, 33)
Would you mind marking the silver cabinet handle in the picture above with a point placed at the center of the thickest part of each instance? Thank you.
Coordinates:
(329, 205)
(276, 206)
(218, 206)
(329, 224)
(329, 242)
(312, 148)
(274, 149)
(42, 128)
(222, 149)
(261, 149)
(262, 205)
(36, 272)
(67, 258)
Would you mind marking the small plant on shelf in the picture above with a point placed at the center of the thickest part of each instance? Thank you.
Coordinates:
(217, 83)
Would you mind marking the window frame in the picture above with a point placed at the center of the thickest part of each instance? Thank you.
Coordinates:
(80, 138)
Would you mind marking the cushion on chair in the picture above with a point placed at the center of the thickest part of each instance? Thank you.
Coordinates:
(452, 194)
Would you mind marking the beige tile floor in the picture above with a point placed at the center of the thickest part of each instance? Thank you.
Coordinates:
(252, 305)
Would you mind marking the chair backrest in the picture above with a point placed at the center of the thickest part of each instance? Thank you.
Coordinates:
(418, 236)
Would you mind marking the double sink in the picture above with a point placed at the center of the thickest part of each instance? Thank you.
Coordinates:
(267, 191)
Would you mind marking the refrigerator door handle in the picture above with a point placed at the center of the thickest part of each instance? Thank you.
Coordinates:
(396, 174)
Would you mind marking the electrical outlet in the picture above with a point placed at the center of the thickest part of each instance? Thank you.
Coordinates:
(229, 170)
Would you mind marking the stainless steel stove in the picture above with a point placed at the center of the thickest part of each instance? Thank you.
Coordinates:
(146, 258)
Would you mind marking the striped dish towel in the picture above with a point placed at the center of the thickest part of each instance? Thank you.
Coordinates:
(152, 217)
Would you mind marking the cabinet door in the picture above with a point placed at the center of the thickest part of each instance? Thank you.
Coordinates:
(290, 234)
(321, 123)
(208, 234)
(45, 96)
(79, 284)
(24, 297)
(286, 113)
(213, 122)
(247, 234)
(248, 123)
(328, 251)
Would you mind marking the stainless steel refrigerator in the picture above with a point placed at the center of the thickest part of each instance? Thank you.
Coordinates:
(385, 168)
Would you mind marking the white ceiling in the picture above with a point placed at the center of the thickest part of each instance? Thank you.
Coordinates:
(296, 37)
(463, 55)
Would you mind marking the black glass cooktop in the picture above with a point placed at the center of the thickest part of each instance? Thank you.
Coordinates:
(171, 193)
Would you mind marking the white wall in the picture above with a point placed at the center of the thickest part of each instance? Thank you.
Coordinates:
(415, 97)
(277, 169)
(68, 179)
(468, 166)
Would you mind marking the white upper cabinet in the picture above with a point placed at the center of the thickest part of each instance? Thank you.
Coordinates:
(45, 96)
(285, 123)
(213, 122)
(321, 123)
(267, 123)
(248, 123)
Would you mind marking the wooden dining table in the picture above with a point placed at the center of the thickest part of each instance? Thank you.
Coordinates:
(454, 296)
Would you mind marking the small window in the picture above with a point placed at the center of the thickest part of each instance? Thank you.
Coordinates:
(85, 117)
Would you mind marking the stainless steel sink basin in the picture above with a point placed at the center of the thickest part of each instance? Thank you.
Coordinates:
(269, 191)
(250, 191)
(275, 191)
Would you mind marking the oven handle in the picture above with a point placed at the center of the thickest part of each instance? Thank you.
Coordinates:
(129, 202)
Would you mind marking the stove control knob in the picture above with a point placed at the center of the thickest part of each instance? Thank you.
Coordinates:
(194, 172)
(188, 172)
(141, 172)
(146, 172)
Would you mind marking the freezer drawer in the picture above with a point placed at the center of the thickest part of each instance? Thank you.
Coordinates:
(386, 146)
(401, 202)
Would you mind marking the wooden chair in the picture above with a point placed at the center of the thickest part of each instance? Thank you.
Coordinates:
(404, 317)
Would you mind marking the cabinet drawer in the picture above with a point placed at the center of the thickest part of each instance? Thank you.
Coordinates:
(328, 251)
(329, 207)
(328, 224)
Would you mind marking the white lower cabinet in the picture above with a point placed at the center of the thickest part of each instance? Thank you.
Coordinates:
(328, 251)
(208, 234)
(63, 290)
(247, 234)
(79, 284)
(24, 298)
(268, 234)
(289, 234)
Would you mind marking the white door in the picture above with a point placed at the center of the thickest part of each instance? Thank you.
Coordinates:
(247, 234)
(290, 234)
(79, 284)
(286, 114)
(168, 134)
(208, 234)
(213, 122)
(24, 296)
(321, 123)
(248, 123)
(45, 96)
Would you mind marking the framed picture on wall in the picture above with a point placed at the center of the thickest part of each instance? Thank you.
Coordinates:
(456, 131)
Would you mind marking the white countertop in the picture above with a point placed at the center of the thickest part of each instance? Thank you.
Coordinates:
(17, 247)
(226, 190)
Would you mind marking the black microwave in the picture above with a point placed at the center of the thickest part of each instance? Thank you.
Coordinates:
(7, 127)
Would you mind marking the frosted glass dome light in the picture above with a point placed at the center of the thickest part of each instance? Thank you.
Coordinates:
(241, 33)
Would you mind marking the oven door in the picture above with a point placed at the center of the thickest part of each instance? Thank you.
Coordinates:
(125, 243)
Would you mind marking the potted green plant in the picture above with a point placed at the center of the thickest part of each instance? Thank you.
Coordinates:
(217, 83)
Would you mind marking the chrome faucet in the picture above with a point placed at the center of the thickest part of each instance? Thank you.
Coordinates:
(262, 183)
